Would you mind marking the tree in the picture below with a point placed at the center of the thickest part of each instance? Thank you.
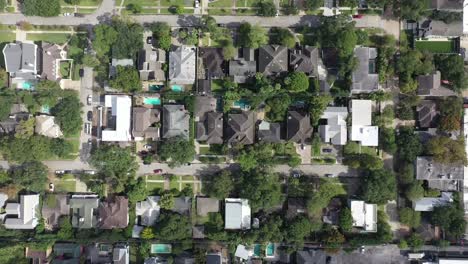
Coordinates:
(6, 101)
(410, 217)
(378, 186)
(266, 8)
(363, 161)
(387, 140)
(176, 151)
(346, 220)
(44, 8)
(209, 25)
(447, 151)
(412, 10)
(262, 188)
(22, 150)
(136, 190)
(451, 110)
(134, 8)
(25, 129)
(450, 218)
(172, 227)
(68, 115)
(409, 146)
(313, 4)
(90, 61)
(104, 37)
(251, 36)
(126, 80)
(415, 241)
(30, 175)
(283, 37)
(320, 199)
(161, 35)
(166, 201)
(66, 229)
(346, 42)
(414, 191)
(61, 147)
(147, 233)
(299, 228)
(318, 104)
(406, 173)
(219, 186)
(297, 82)
(333, 238)
(451, 69)
(129, 39)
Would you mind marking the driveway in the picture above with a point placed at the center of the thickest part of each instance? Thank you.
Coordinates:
(86, 90)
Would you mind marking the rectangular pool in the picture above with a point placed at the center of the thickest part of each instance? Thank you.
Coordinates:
(161, 248)
(152, 100)
(177, 88)
(25, 86)
(270, 250)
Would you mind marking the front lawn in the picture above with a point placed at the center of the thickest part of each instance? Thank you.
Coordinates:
(7, 37)
(222, 11)
(65, 186)
(154, 186)
(221, 3)
(58, 38)
(435, 46)
(83, 3)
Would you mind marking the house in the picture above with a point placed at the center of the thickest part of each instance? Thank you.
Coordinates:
(145, 124)
(365, 78)
(215, 258)
(113, 213)
(184, 259)
(175, 122)
(115, 63)
(208, 122)
(314, 257)
(182, 205)
(38, 256)
(51, 56)
(427, 204)
(182, 65)
(296, 206)
(241, 128)
(23, 215)
(121, 254)
(269, 132)
(213, 62)
(198, 232)
(427, 114)
(243, 252)
(273, 60)
(443, 177)
(361, 125)
(54, 207)
(331, 213)
(21, 63)
(237, 214)
(298, 128)
(46, 126)
(335, 131)
(307, 59)
(147, 211)
(118, 112)
(67, 253)
(364, 215)
(430, 85)
(244, 66)
(206, 205)
(84, 210)
(150, 62)
(18, 113)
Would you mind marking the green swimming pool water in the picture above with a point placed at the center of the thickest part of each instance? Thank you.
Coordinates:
(155, 88)
(45, 109)
(242, 103)
(177, 88)
(26, 86)
(257, 250)
(161, 248)
(270, 250)
(152, 101)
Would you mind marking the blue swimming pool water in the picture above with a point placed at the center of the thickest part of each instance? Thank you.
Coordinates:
(45, 109)
(155, 88)
(152, 101)
(177, 88)
(25, 86)
(242, 103)
(270, 250)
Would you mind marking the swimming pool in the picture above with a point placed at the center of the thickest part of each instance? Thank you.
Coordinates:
(155, 88)
(25, 86)
(152, 100)
(270, 250)
(177, 88)
(257, 250)
(242, 104)
(161, 248)
(45, 109)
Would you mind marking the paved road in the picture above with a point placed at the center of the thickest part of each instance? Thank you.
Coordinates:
(85, 91)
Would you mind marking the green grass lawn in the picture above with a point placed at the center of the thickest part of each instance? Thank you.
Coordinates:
(7, 37)
(58, 38)
(435, 46)
(50, 201)
(86, 10)
(65, 186)
(219, 11)
(221, 3)
(246, 12)
(142, 2)
(155, 177)
(83, 3)
(65, 68)
(153, 186)
(246, 3)
(174, 184)
(174, 2)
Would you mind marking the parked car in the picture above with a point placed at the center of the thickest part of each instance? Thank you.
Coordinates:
(327, 150)
(296, 174)
(51, 187)
(59, 172)
(197, 4)
(67, 14)
(358, 16)
(68, 171)
(87, 128)
(149, 40)
(90, 116)
(90, 141)
(147, 146)
(79, 15)
(90, 172)
(158, 171)
(89, 99)
(330, 175)
(81, 73)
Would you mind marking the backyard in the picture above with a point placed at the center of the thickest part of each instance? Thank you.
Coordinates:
(65, 69)
(446, 46)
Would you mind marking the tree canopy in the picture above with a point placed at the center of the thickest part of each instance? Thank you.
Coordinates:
(162, 35)
(297, 82)
(219, 186)
(252, 36)
(320, 199)
(414, 191)
(412, 10)
(298, 229)
(126, 79)
(262, 188)
(446, 150)
(122, 38)
(172, 227)
(379, 186)
(136, 190)
(30, 175)
(68, 115)
(345, 220)
(452, 69)
(410, 217)
(283, 37)
(409, 146)
(44, 8)
(176, 151)
(318, 104)
(449, 218)
(451, 110)
(266, 8)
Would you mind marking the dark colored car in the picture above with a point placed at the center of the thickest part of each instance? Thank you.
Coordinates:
(327, 150)
(81, 73)
(158, 171)
(90, 116)
(149, 40)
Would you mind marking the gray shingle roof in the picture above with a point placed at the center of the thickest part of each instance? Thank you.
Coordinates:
(365, 78)
(207, 205)
(84, 210)
(241, 128)
(439, 176)
(113, 213)
(21, 59)
(211, 129)
(298, 127)
(430, 85)
(175, 121)
(182, 65)
(50, 54)
(143, 123)
(213, 62)
(269, 132)
(150, 64)
(243, 67)
(305, 59)
(273, 60)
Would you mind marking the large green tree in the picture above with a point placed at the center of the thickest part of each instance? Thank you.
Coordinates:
(379, 186)
(446, 150)
(252, 36)
(68, 115)
(161, 35)
(126, 79)
(409, 146)
(219, 186)
(262, 188)
(277, 107)
(410, 217)
(282, 36)
(346, 220)
(451, 111)
(318, 104)
(414, 191)
(412, 10)
(450, 218)
(104, 37)
(136, 190)
(172, 227)
(266, 8)
(30, 175)
(320, 199)
(176, 151)
(44, 8)
(297, 82)
(452, 69)
(129, 39)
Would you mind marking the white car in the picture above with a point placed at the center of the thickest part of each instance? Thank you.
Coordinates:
(197, 4)
(59, 172)
(51, 187)
(89, 100)
(90, 172)
(67, 14)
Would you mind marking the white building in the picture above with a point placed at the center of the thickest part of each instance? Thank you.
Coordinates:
(427, 204)
(182, 65)
(121, 254)
(361, 126)
(237, 214)
(364, 215)
(118, 124)
(46, 126)
(335, 131)
(25, 212)
(148, 210)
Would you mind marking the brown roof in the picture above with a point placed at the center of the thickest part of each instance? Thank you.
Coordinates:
(298, 127)
(54, 207)
(113, 213)
(39, 256)
(143, 123)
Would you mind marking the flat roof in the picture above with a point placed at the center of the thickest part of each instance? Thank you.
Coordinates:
(237, 214)
(121, 108)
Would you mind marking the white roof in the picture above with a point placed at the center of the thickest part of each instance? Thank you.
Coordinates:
(453, 261)
(335, 131)
(367, 135)
(120, 255)
(238, 214)
(46, 126)
(182, 65)
(427, 204)
(27, 214)
(148, 210)
(364, 215)
(243, 253)
(361, 126)
(121, 106)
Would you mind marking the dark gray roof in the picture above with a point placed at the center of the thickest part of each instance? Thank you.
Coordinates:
(243, 67)
(182, 205)
(207, 205)
(296, 206)
(439, 176)
(269, 132)
(298, 127)
(198, 232)
(211, 129)
(427, 114)
(213, 62)
(430, 85)
(18, 112)
(213, 258)
(203, 105)
(365, 78)
(84, 210)
(273, 60)
(150, 64)
(175, 121)
(241, 128)
(113, 213)
(144, 120)
(305, 59)
(311, 257)
(447, 4)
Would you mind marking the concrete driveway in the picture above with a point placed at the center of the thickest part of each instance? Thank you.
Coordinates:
(86, 90)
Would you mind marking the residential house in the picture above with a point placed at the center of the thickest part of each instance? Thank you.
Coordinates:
(215, 258)
(38, 256)
(269, 132)
(206, 205)
(175, 122)
(184, 259)
(365, 78)
(331, 213)
(182, 65)
(443, 177)
(198, 232)
(241, 128)
(430, 85)
(213, 62)
(244, 253)
(54, 207)
(84, 210)
(273, 60)
(147, 211)
(51, 56)
(244, 66)
(314, 257)
(299, 128)
(208, 122)
(46, 126)
(118, 63)
(145, 123)
(361, 125)
(150, 62)
(182, 205)
(113, 213)
(121, 254)
(427, 204)
(21, 63)
(67, 253)
(237, 214)
(364, 215)
(296, 206)
(427, 114)
(118, 113)
(335, 131)
(23, 215)
(18, 113)
(307, 59)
